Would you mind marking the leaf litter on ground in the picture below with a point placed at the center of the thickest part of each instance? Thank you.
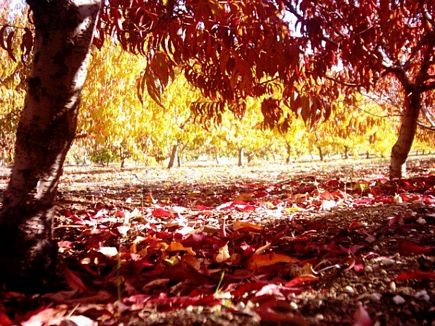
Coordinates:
(242, 246)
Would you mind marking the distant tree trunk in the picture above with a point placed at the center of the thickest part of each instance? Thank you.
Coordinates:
(367, 155)
(289, 155)
(346, 152)
(407, 131)
(47, 126)
(216, 157)
(319, 148)
(174, 156)
(179, 160)
(241, 158)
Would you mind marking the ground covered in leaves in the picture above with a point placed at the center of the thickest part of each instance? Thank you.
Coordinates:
(306, 244)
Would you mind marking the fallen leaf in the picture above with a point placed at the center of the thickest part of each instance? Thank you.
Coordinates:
(416, 275)
(362, 317)
(245, 196)
(177, 246)
(241, 225)
(162, 213)
(191, 261)
(271, 290)
(263, 260)
(79, 320)
(4, 319)
(280, 311)
(47, 316)
(223, 254)
(108, 251)
(74, 281)
(408, 248)
(302, 279)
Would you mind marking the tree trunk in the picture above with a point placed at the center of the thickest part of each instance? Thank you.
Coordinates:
(63, 34)
(321, 156)
(216, 157)
(289, 155)
(174, 156)
(241, 155)
(346, 152)
(179, 160)
(407, 131)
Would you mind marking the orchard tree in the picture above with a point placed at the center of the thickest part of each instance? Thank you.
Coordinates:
(375, 43)
(63, 35)
(230, 50)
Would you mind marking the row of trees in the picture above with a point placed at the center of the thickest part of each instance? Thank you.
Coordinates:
(116, 128)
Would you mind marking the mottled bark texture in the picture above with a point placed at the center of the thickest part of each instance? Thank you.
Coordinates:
(63, 35)
(407, 131)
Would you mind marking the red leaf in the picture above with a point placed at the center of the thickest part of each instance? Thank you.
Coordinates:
(362, 317)
(248, 287)
(4, 319)
(302, 279)
(408, 248)
(245, 207)
(280, 311)
(162, 213)
(416, 275)
(429, 200)
(355, 225)
(74, 281)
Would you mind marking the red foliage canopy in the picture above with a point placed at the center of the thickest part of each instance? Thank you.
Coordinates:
(234, 49)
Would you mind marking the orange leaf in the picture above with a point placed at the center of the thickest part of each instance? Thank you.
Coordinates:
(223, 254)
(191, 261)
(240, 225)
(302, 279)
(262, 260)
(176, 246)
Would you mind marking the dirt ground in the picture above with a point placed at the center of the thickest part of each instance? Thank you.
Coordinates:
(332, 243)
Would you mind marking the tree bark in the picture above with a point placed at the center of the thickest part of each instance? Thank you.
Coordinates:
(241, 155)
(407, 131)
(289, 153)
(47, 126)
(321, 156)
(174, 156)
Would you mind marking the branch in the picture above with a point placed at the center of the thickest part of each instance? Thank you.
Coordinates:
(428, 115)
(343, 82)
(421, 125)
(384, 101)
(268, 81)
(401, 76)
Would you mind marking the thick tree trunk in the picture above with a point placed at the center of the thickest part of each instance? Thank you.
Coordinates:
(63, 34)
(241, 155)
(407, 131)
(174, 156)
